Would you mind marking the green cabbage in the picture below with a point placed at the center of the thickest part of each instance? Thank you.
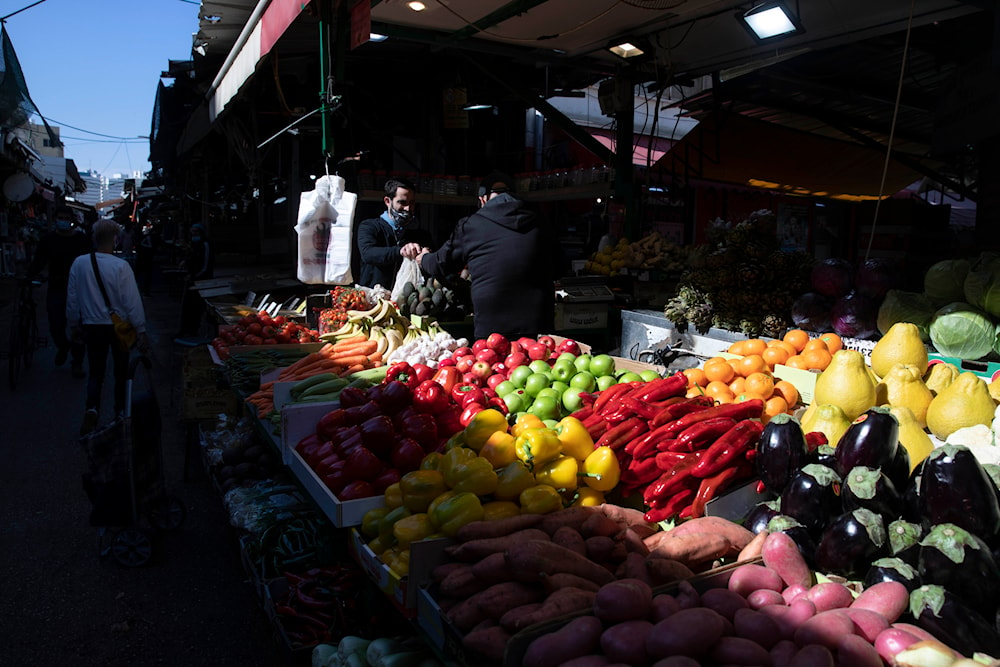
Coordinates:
(982, 284)
(959, 330)
(902, 306)
(944, 282)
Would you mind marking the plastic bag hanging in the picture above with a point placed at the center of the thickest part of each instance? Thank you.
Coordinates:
(409, 272)
(325, 231)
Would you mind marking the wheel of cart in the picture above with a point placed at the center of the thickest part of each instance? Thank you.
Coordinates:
(125, 481)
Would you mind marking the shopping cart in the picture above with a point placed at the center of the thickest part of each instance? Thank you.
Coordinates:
(125, 481)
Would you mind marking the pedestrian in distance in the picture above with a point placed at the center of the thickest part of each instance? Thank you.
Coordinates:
(384, 241)
(200, 265)
(91, 277)
(56, 252)
(144, 253)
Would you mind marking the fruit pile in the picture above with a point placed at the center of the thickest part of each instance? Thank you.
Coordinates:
(262, 329)
(652, 251)
(342, 299)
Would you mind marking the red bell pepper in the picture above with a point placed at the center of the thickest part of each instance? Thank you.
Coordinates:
(407, 455)
(352, 396)
(378, 435)
(395, 396)
(449, 420)
(402, 372)
(422, 428)
(470, 411)
(815, 439)
(430, 397)
(423, 372)
(447, 376)
(362, 464)
(335, 478)
(497, 403)
(308, 446)
(333, 419)
(357, 489)
(359, 413)
(465, 393)
(388, 477)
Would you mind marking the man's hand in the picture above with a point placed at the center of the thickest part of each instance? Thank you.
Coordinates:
(142, 342)
(420, 255)
(410, 250)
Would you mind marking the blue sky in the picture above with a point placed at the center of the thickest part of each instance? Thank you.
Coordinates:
(95, 65)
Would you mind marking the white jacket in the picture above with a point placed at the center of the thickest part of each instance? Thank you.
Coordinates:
(84, 303)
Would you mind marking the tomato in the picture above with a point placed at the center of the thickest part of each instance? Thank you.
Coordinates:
(268, 331)
(280, 320)
(255, 329)
(270, 341)
(283, 338)
(265, 319)
(244, 321)
(252, 339)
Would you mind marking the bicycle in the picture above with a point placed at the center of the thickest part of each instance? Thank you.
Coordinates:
(24, 338)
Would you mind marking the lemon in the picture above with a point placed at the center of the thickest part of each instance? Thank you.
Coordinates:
(901, 344)
(904, 386)
(965, 402)
(912, 436)
(846, 383)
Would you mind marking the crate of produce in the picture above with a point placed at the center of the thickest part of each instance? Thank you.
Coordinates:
(341, 513)
(403, 592)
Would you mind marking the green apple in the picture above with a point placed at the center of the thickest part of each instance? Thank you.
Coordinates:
(519, 376)
(535, 383)
(582, 362)
(559, 386)
(504, 388)
(516, 400)
(584, 380)
(604, 382)
(629, 376)
(539, 366)
(550, 423)
(563, 370)
(602, 364)
(566, 356)
(571, 399)
(544, 407)
(549, 391)
(648, 375)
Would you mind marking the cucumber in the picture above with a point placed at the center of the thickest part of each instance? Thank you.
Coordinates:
(311, 381)
(326, 387)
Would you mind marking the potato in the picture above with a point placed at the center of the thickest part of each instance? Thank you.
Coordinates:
(677, 661)
(825, 628)
(579, 637)
(781, 554)
(855, 651)
(751, 624)
(511, 621)
(791, 593)
(888, 598)
(688, 596)
(666, 570)
(829, 595)
(813, 655)
(739, 651)
(553, 582)
(891, 641)
(634, 567)
(867, 623)
(764, 598)
(587, 661)
(724, 601)
(626, 642)
(748, 578)
(663, 606)
(798, 613)
(690, 632)
(599, 548)
(783, 652)
(500, 598)
(623, 600)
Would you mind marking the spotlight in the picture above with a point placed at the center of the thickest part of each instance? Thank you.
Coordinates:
(771, 21)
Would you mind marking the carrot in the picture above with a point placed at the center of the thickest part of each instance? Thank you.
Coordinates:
(347, 342)
(352, 369)
(359, 359)
(365, 348)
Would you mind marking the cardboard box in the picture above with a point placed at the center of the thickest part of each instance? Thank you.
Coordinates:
(340, 513)
(581, 316)
(425, 555)
(298, 421)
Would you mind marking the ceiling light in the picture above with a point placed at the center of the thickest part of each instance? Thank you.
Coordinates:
(626, 50)
(375, 37)
(477, 107)
(771, 20)
(416, 6)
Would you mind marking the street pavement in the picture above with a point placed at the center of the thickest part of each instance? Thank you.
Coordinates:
(63, 604)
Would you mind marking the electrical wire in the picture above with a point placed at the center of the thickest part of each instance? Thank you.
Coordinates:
(80, 129)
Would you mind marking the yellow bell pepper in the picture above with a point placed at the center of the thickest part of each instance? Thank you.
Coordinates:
(401, 563)
(540, 499)
(588, 497)
(484, 424)
(389, 555)
(559, 473)
(464, 470)
(437, 501)
(411, 529)
(456, 511)
(500, 509)
(536, 446)
(512, 479)
(430, 461)
(371, 520)
(393, 496)
(524, 422)
(499, 449)
(385, 534)
(420, 487)
(376, 546)
(602, 469)
(575, 439)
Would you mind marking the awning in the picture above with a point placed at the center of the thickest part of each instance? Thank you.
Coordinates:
(644, 147)
(730, 148)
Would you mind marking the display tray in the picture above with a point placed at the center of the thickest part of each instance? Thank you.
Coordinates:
(425, 555)
(988, 370)
(341, 514)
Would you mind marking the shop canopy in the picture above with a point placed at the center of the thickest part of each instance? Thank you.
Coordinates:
(731, 148)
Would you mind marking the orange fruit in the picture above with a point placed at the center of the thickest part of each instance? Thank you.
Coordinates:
(797, 362)
(759, 383)
(797, 338)
(738, 385)
(738, 347)
(833, 342)
(747, 396)
(775, 355)
(752, 363)
(816, 344)
(694, 391)
(715, 360)
(719, 371)
(719, 392)
(754, 345)
(695, 376)
(817, 358)
(787, 347)
(774, 406)
(787, 391)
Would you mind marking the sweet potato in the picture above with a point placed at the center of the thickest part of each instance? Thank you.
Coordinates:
(690, 632)
(812, 655)
(739, 651)
(598, 523)
(588, 661)
(562, 602)
(492, 569)
(677, 661)
(754, 625)
(511, 620)
(689, 548)
(753, 548)
(666, 571)
(633, 567)
(571, 516)
(737, 535)
(474, 550)
(628, 517)
(723, 601)
(466, 614)
(633, 542)
(489, 643)
(571, 539)
(599, 548)
(529, 560)
(481, 530)
(553, 582)
(461, 584)
(623, 600)
(439, 573)
(500, 598)
(578, 638)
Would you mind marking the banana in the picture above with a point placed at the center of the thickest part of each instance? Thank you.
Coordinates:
(381, 342)
(394, 339)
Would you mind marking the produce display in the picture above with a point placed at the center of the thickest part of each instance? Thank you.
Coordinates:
(385, 327)
(353, 651)
(342, 301)
(261, 329)
(652, 251)
(432, 300)
(845, 298)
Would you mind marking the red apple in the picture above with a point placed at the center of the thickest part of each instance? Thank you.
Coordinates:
(515, 347)
(464, 363)
(471, 378)
(482, 370)
(498, 343)
(500, 368)
(569, 345)
(515, 359)
(447, 361)
(495, 379)
(461, 352)
(547, 341)
(524, 341)
(538, 351)
(479, 344)
(488, 355)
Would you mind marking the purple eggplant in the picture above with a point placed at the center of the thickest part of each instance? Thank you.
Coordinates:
(898, 470)
(851, 542)
(812, 497)
(871, 489)
(892, 569)
(904, 540)
(825, 455)
(758, 516)
(912, 509)
(799, 534)
(954, 488)
(871, 441)
(781, 451)
(962, 563)
(947, 617)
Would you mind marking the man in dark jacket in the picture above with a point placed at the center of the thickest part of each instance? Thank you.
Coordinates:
(512, 259)
(57, 250)
(384, 241)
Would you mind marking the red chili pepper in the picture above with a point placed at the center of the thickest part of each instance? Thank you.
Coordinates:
(640, 472)
(605, 397)
(583, 413)
(677, 410)
(598, 428)
(657, 390)
(701, 434)
(729, 449)
(620, 435)
(671, 480)
(751, 409)
(673, 506)
(645, 449)
(588, 399)
(710, 487)
(639, 408)
(664, 445)
(667, 461)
